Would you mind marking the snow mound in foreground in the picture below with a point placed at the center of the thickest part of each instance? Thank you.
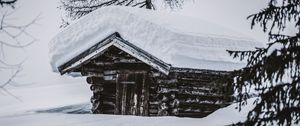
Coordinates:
(177, 40)
(60, 104)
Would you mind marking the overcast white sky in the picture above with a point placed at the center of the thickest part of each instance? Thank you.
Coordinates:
(229, 13)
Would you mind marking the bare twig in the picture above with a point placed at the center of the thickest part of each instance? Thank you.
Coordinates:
(11, 78)
(11, 34)
(11, 94)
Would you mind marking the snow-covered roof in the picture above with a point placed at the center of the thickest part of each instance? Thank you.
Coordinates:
(175, 39)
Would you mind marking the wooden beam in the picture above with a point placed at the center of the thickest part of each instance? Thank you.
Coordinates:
(118, 102)
(146, 94)
(124, 100)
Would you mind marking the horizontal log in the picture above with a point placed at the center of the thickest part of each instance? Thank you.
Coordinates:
(94, 80)
(196, 75)
(107, 98)
(153, 96)
(108, 111)
(153, 114)
(117, 60)
(200, 101)
(196, 82)
(109, 103)
(110, 72)
(166, 81)
(197, 92)
(106, 93)
(202, 88)
(167, 90)
(155, 74)
(89, 73)
(100, 67)
(96, 87)
(197, 71)
(101, 81)
(215, 85)
(100, 63)
(167, 86)
(153, 103)
(110, 77)
(153, 111)
(193, 114)
(153, 90)
(198, 107)
(153, 106)
(87, 68)
(132, 71)
(107, 106)
(200, 97)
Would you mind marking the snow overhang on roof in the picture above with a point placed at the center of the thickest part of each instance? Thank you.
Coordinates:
(117, 41)
(172, 39)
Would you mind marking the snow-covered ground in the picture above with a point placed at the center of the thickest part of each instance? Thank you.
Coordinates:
(57, 105)
(40, 103)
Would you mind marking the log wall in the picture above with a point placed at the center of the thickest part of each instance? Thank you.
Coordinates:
(124, 85)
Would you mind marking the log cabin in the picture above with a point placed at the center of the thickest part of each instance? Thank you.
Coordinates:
(132, 70)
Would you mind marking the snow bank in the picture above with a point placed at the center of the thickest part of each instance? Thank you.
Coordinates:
(41, 97)
(178, 40)
(48, 105)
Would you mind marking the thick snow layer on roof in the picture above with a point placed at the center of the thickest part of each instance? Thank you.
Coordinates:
(177, 40)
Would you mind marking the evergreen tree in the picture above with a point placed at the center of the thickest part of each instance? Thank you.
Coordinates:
(74, 9)
(273, 71)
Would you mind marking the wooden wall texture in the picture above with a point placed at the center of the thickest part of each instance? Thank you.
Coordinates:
(121, 84)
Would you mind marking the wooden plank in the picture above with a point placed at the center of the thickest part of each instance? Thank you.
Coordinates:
(92, 67)
(139, 94)
(118, 60)
(139, 89)
(89, 73)
(124, 95)
(109, 103)
(196, 71)
(94, 80)
(132, 99)
(118, 102)
(202, 106)
(107, 98)
(96, 88)
(193, 114)
(99, 80)
(146, 94)
(108, 111)
(200, 97)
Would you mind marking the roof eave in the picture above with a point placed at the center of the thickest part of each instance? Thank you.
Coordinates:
(117, 41)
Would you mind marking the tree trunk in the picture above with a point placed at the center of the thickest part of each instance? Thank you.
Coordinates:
(148, 4)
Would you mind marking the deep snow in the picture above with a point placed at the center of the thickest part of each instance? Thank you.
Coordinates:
(196, 44)
(177, 40)
(50, 105)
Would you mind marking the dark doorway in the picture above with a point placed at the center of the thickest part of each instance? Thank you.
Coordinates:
(132, 94)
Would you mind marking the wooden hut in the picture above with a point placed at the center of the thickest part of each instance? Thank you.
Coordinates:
(127, 79)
